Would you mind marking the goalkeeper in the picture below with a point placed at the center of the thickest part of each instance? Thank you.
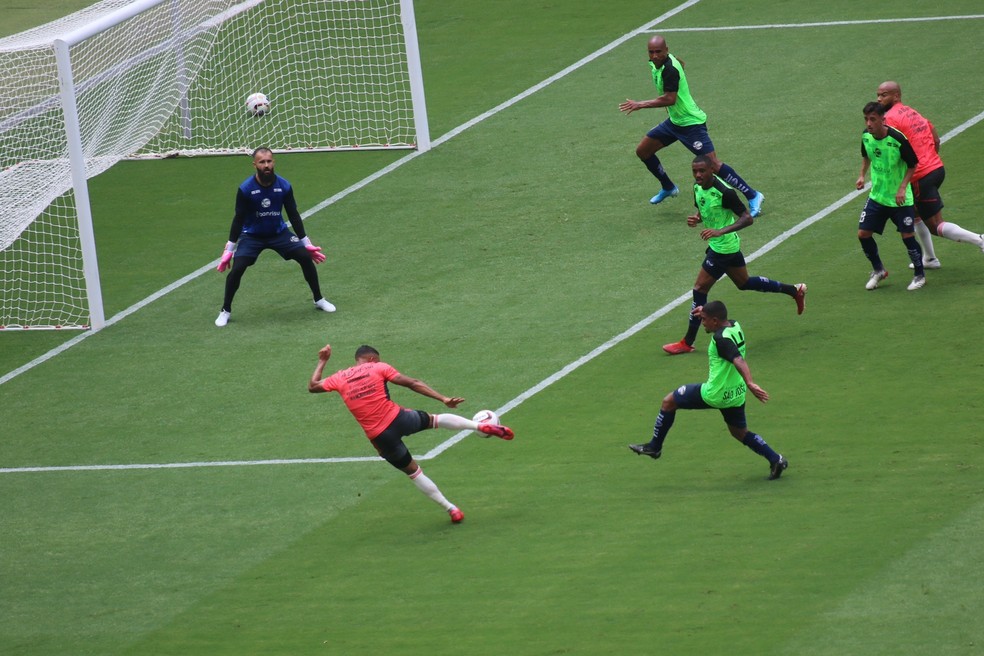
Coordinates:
(259, 224)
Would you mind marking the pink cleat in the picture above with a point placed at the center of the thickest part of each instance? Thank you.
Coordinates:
(677, 348)
(456, 515)
(504, 432)
(800, 298)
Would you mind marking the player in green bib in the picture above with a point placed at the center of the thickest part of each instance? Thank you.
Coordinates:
(886, 152)
(686, 123)
(722, 214)
(728, 380)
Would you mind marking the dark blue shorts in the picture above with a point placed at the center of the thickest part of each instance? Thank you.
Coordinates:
(285, 243)
(688, 397)
(717, 264)
(390, 444)
(926, 190)
(874, 216)
(694, 137)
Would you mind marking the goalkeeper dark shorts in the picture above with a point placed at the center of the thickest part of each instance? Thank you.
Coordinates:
(285, 243)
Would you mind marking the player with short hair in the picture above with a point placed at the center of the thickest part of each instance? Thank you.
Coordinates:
(261, 201)
(892, 161)
(686, 123)
(928, 176)
(728, 379)
(717, 206)
(364, 391)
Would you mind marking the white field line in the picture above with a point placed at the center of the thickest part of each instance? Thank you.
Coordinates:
(444, 446)
(783, 26)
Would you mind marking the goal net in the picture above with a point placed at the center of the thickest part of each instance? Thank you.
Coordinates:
(159, 78)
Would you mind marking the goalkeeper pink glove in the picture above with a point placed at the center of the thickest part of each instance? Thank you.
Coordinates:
(314, 251)
(230, 248)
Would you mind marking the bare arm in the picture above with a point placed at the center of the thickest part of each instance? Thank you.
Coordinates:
(743, 221)
(629, 106)
(746, 375)
(422, 388)
(315, 384)
(903, 188)
(865, 164)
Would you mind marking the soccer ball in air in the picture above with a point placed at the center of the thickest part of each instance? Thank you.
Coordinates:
(257, 104)
(485, 417)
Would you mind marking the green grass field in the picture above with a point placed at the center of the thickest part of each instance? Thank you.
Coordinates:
(485, 267)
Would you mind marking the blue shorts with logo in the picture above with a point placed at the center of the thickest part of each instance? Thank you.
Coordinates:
(874, 216)
(694, 137)
(717, 264)
(284, 242)
(687, 397)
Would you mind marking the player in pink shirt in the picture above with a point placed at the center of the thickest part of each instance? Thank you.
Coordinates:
(928, 176)
(364, 391)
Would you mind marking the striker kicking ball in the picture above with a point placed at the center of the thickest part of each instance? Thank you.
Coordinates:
(257, 104)
(486, 417)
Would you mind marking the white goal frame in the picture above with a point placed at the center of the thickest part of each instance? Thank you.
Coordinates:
(85, 161)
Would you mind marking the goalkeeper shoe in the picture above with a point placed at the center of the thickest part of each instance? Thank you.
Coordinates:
(800, 298)
(664, 194)
(645, 450)
(456, 515)
(504, 432)
(755, 204)
(323, 304)
(223, 318)
(678, 348)
(777, 468)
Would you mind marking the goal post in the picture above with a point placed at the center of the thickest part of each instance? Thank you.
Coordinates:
(161, 78)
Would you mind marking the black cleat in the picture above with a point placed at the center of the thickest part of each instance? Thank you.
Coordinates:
(645, 450)
(778, 467)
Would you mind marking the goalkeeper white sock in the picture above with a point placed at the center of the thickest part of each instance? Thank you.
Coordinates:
(427, 486)
(926, 240)
(453, 422)
(955, 233)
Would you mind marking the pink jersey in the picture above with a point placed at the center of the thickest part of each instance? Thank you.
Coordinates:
(919, 131)
(363, 389)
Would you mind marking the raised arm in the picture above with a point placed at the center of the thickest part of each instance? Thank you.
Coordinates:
(315, 385)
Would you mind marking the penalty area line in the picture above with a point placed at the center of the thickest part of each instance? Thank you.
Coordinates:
(545, 383)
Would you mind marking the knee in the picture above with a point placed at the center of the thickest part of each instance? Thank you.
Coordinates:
(669, 404)
(646, 148)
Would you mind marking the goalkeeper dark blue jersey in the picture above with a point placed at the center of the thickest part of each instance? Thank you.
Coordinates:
(260, 210)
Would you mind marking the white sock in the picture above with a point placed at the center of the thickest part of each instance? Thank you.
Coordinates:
(453, 422)
(926, 240)
(427, 486)
(955, 233)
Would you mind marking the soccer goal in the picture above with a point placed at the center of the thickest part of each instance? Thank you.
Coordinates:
(164, 78)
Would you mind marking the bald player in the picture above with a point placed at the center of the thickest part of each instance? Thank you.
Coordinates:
(928, 176)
